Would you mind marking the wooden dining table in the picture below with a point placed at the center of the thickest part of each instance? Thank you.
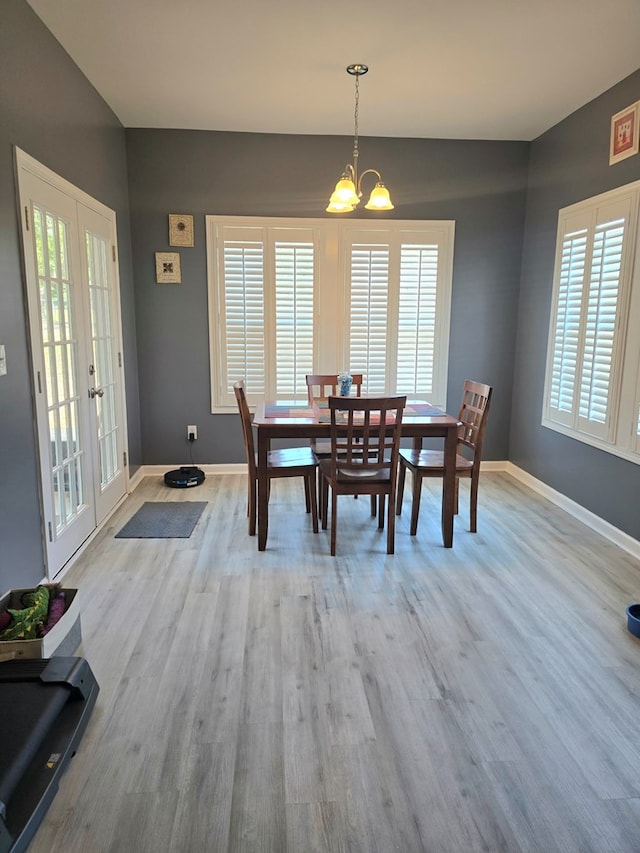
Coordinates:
(420, 420)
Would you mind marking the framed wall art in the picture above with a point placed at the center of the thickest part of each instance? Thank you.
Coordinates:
(624, 134)
(180, 229)
(168, 268)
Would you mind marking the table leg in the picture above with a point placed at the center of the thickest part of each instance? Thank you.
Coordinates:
(449, 486)
(263, 490)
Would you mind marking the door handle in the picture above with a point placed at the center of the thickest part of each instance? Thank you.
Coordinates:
(96, 392)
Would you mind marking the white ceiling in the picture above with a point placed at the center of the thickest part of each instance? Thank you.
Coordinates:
(468, 69)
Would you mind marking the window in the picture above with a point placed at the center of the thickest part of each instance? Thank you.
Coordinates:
(291, 297)
(592, 389)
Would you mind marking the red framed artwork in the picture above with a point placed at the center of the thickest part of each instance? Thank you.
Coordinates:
(624, 134)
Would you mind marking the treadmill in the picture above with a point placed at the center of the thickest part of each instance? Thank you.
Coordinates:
(45, 705)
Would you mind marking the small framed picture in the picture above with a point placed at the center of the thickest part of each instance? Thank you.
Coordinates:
(168, 268)
(180, 229)
(624, 134)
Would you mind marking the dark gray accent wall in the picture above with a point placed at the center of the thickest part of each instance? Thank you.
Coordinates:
(568, 163)
(481, 185)
(48, 109)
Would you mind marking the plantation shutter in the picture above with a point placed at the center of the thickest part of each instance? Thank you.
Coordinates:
(266, 281)
(368, 328)
(566, 334)
(583, 375)
(294, 318)
(242, 306)
(399, 299)
(600, 325)
(417, 320)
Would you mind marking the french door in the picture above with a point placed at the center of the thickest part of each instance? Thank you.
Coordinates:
(73, 301)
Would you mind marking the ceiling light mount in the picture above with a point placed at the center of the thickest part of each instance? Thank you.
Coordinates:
(357, 69)
(348, 192)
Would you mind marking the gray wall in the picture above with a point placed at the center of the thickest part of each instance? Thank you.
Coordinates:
(48, 109)
(568, 163)
(481, 185)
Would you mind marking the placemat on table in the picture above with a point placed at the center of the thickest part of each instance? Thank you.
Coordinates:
(423, 410)
(287, 410)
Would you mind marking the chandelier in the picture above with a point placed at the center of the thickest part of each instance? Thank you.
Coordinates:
(348, 192)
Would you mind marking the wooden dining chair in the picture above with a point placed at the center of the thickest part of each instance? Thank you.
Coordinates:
(321, 386)
(473, 414)
(365, 443)
(288, 462)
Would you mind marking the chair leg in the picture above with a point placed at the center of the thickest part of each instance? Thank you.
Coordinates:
(324, 512)
(334, 520)
(474, 506)
(457, 492)
(415, 502)
(252, 506)
(307, 494)
(373, 506)
(402, 473)
(320, 487)
(391, 525)
(325, 498)
(310, 488)
(380, 512)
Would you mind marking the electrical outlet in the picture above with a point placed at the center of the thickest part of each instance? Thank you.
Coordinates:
(192, 432)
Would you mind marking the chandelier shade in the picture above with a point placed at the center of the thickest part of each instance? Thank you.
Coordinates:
(348, 191)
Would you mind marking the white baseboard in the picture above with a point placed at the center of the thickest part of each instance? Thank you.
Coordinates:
(498, 465)
(135, 481)
(599, 525)
(224, 468)
(590, 519)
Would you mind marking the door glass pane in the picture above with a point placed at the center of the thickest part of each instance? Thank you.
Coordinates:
(98, 250)
(60, 350)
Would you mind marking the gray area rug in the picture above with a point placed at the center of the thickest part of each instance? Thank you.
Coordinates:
(163, 520)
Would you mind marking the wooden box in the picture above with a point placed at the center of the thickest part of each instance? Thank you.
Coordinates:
(62, 640)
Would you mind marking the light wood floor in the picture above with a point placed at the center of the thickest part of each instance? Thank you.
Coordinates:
(483, 698)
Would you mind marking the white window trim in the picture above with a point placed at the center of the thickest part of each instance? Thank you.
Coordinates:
(621, 434)
(331, 347)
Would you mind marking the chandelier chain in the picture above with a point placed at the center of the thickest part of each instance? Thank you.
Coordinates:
(355, 120)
